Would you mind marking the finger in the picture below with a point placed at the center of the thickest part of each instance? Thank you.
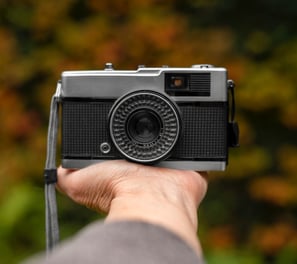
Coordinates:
(203, 184)
(204, 174)
(62, 176)
(199, 186)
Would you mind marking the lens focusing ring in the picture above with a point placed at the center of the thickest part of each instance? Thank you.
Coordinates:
(155, 104)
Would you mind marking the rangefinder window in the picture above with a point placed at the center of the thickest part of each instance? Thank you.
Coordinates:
(177, 84)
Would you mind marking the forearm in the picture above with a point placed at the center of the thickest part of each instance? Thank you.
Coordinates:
(129, 191)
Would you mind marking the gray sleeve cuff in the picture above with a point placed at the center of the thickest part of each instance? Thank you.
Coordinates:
(124, 242)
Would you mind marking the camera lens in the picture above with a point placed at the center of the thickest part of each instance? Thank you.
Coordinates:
(144, 126)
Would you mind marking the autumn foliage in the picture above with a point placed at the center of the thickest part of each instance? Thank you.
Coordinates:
(250, 213)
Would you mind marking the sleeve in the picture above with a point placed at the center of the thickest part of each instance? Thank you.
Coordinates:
(123, 242)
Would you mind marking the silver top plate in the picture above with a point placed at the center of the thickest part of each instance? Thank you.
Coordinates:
(109, 83)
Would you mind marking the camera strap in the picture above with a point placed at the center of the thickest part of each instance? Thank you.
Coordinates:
(233, 128)
(50, 176)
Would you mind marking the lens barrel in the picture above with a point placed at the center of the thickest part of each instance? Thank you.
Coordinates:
(144, 126)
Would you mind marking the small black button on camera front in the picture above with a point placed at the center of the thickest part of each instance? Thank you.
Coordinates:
(105, 148)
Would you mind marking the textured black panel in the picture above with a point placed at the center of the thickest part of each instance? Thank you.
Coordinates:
(204, 131)
(204, 135)
(84, 128)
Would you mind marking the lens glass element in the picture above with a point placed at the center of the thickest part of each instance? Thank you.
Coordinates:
(144, 126)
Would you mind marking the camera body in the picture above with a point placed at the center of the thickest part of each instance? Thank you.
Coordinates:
(163, 116)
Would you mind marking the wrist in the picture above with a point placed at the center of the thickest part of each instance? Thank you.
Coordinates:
(155, 210)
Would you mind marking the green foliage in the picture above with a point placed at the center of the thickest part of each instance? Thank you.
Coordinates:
(22, 218)
(233, 257)
(249, 215)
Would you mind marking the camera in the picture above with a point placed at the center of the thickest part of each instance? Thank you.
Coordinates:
(163, 116)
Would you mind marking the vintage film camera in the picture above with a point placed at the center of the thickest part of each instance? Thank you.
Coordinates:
(173, 117)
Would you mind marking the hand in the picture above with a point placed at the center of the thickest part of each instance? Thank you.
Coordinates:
(130, 191)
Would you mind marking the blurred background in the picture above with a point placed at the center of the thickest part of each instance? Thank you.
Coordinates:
(250, 212)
